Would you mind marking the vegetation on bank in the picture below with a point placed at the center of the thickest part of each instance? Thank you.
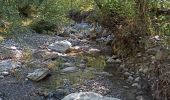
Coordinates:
(131, 21)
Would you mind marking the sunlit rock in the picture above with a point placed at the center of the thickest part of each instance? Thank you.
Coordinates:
(87, 96)
(38, 74)
(60, 46)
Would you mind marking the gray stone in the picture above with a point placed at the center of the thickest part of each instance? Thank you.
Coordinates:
(60, 46)
(7, 65)
(69, 69)
(127, 74)
(136, 85)
(87, 96)
(67, 64)
(38, 74)
(112, 60)
(130, 79)
(5, 73)
(140, 98)
(137, 79)
(1, 76)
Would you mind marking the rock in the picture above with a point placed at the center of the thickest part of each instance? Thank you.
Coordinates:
(87, 96)
(1, 76)
(5, 73)
(58, 94)
(6, 53)
(113, 60)
(136, 85)
(137, 79)
(93, 51)
(67, 64)
(60, 46)
(130, 79)
(7, 65)
(45, 55)
(38, 74)
(69, 69)
(127, 74)
(0, 98)
(104, 74)
(140, 98)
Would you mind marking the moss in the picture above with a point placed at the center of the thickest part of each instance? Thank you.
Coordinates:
(56, 80)
(98, 62)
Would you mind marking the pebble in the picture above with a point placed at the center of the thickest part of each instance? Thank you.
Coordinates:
(5, 73)
(136, 85)
(137, 79)
(69, 69)
(1, 76)
(127, 74)
(126, 87)
(130, 78)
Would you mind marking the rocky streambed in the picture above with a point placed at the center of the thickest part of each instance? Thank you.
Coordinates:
(44, 67)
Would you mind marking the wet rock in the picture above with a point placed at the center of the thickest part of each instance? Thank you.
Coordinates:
(7, 65)
(38, 74)
(87, 96)
(69, 69)
(60, 46)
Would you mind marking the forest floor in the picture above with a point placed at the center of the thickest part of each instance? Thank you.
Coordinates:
(91, 67)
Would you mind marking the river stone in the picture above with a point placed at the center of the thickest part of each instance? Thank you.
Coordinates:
(69, 69)
(38, 74)
(87, 96)
(60, 46)
(7, 65)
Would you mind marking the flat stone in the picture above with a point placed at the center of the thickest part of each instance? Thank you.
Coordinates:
(69, 69)
(60, 46)
(87, 96)
(38, 74)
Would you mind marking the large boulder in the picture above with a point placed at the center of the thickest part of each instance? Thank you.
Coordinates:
(87, 96)
(60, 46)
